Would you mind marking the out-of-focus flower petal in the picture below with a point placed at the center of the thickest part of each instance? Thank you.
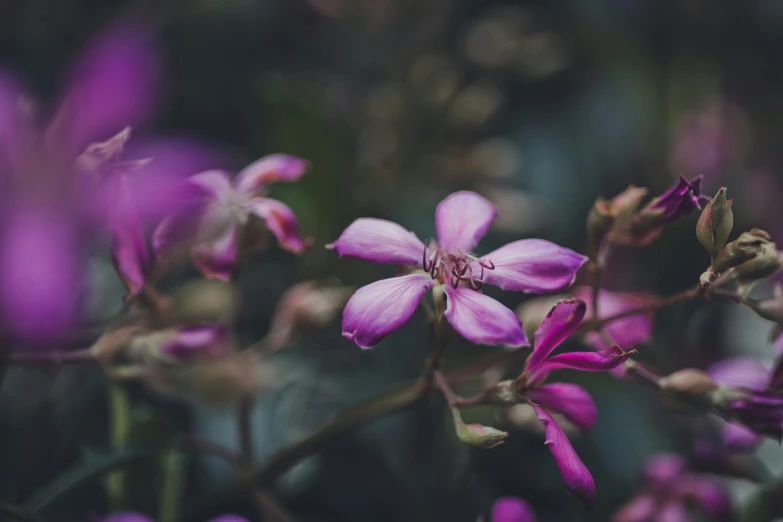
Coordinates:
(559, 323)
(585, 361)
(128, 247)
(379, 308)
(229, 518)
(662, 468)
(269, 169)
(627, 332)
(128, 516)
(216, 258)
(112, 86)
(640, 509)
(99, 154)
(533, 266)
(710, 496)
(40, 273)
(738, 438)
(510, 509)
(575, 474)
(742, 372)
(196, 341)
(214, 183)
(462, 219)
(480, 319)
(673, 511)
(281, 221)
(379, 241)
(570, 400)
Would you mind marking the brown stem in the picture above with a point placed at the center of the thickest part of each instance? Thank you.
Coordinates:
(58, 357)
(643, 373)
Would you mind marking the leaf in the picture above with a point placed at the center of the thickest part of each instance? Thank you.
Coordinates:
(82, 473)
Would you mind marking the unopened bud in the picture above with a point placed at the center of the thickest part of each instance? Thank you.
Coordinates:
(205, 301)
(600, 220)
(477, 435)
(688, 389)
(753, 255)
(626, 203)
(715, 223)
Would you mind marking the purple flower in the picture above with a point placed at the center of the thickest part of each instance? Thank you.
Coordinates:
(679, 201)
(511, 509)
(225, 206)
(461, 220)
(670, 489)
(569, 400)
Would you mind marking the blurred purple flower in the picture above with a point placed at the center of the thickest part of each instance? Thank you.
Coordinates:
(628, 332)
(670, 489)
(679, 201)
(223, 206)
(511, 509)
(569, 400)
(461, 220)
(197, 342)
(746, 373)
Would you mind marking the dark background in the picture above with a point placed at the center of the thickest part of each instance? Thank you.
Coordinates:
(539, 106)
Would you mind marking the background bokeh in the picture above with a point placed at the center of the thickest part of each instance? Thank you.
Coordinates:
(539, 106)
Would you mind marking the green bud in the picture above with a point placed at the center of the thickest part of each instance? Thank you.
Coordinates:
(477, 435)
(715, 223)
(753, 256)
(688, 390)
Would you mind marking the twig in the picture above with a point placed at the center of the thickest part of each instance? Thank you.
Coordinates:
(57, 357)
(19, 513)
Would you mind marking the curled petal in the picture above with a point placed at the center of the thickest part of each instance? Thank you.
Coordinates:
(570, 400)
(584, 361)
(214, 184)
(378, 309)
(557, 326)
(216, 259)
(575, 474)
(379, 241)
(269, 169)
(510, 509)
(743, 372)
(462, 219)
(480, 319)
(128, 247)
(738, 438)
(281, 221)
(533, 266)
(640, 509)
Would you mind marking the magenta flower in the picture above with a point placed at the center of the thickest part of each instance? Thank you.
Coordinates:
(569, 400)
(628, 332)
(226, 206)
(680, 201)
(461, 220)
(670, 489)
(511, 509)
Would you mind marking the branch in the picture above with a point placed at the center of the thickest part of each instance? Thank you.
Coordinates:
(57, 357)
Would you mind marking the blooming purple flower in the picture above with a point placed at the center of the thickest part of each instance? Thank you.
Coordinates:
(511, 509)
(679, 201)
(670, 489)
(226, 206)
(569, 400)
(461, 220)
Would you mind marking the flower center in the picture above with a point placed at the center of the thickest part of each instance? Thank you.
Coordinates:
(454, 267)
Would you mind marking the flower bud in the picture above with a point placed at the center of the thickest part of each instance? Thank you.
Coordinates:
(688, 390)
(753, 255)
(477, 435)
(715, 223)
(205, 301)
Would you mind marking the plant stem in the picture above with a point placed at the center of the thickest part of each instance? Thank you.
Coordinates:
(173, 467)
(119, 412)
(19, 513)
(58, 357)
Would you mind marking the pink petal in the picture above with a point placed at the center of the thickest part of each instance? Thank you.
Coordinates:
(662, 469)
(640, 509)
(710, 496)
(281, 221)
(557, 326)
(216, 259)
(188, 342)
(738, 438)
(673, 511)
(570, 400)
(214, 184)
(376, 310)
(482, 320)
(379, 241)
(533, 266)
(128, 247)
(627, 332)
(743, 372)
(462, 219)
(269, 169)
(575, 474)
(585, 361)
(512, 509)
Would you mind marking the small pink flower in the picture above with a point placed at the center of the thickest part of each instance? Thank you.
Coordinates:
(461, 220)
(226, 205)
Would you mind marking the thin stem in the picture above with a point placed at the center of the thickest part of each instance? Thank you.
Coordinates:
(19, 513)
(58, 357)
(682, 297)
(120, 419)
(596, 270)
(244, 430)
(173, 467)
(438, 348)
(643, 373)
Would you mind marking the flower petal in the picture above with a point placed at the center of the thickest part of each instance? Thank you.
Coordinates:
(482, 320)
(584, 361)
(269, 169)
(216, 258)
(710, 496)
(640, 509)
(379, 241)
(743, 372)
(214, 184)
(128, 247)
(533, 266)
(673, 511)
(627, 332)
(379, 308)
(281, 221)
(738, 438)
(663, 468)
(557, 326)
(570, 400)
(462, 219)
(211, 340)
(510, 509)
(575, 474)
